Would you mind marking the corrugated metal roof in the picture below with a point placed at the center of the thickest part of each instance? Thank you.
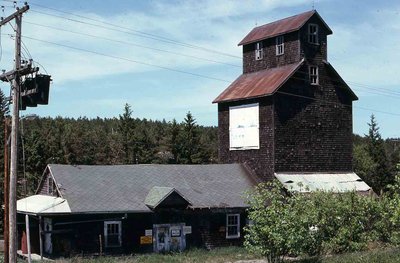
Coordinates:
(123, 188)
(280, 27)
(43, 204)
(336, 182)
(258, 84)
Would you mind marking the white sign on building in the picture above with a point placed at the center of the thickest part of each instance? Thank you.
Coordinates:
(244, 127)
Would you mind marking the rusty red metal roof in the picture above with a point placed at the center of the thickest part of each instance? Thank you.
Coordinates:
(257, 84)
(280, 27)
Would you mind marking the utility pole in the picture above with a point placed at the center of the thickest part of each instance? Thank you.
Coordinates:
(16, 75)
(6, 188)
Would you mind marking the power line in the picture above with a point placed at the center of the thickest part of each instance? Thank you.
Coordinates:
(131, 44)
(193, 74)
(156, 37)
(137, 33)
(127, 59)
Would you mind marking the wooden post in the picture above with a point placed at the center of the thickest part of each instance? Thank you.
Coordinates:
(40, 238)
(6, 190)
(12, 211)
(28, 237)
(101, 245)
(14, 146)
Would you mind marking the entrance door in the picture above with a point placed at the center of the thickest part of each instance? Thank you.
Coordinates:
(162, 239)
(48, 227)
(169, 237)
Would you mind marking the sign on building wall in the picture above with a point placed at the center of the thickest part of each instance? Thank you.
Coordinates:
(144, 240)
(244, 127)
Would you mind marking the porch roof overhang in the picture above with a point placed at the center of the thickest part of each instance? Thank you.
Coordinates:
(335, 182)
(43, 205)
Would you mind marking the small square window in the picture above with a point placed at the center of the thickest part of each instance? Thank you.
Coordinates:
(259, 51)
(280, 45)
(232, 226)
(313, 73)
(313, 33)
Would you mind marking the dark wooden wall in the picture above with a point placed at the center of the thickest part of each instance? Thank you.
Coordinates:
(261, 161)
(270, 59)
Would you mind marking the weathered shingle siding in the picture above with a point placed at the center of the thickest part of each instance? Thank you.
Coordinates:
(314, 54)
(313, 135)
(261, 160)
(270, 59)
(44, 187)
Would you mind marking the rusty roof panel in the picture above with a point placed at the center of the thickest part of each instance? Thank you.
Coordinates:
(257, 84)
(280, 27)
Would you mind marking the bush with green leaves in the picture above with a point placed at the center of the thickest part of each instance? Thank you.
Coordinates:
(293, 223)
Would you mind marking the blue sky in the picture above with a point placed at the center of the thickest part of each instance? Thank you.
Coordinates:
(364, 49)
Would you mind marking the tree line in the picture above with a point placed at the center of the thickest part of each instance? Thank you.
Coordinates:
(107, 141)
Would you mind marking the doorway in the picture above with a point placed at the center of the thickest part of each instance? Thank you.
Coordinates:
(169, 237)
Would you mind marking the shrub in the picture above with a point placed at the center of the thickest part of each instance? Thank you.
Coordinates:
(292, 223)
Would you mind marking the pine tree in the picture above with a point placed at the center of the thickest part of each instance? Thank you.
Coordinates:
(127, 128)
(174, 141)
(381, 175)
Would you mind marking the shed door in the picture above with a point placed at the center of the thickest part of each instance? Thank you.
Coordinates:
(162, 239)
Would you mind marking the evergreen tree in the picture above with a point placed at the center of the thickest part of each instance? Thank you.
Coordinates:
(190, 140)
(3, 114)
(127, 128)
(381, 175)
(174, 141)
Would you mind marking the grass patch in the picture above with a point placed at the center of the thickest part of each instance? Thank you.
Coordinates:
(391, 255)
(229, 254)
(232, 254)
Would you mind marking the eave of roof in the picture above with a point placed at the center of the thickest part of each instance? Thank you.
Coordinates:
(115, 189)
(329, 66)
(258, 84)
(310, 182)
(279, 27)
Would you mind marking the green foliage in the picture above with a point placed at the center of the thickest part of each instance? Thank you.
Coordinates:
(292, 223)
(380, 176)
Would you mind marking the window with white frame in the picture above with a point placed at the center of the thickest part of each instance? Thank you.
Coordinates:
(259, 51)
(313, 33)
(280, 45)
(313, 72)
(112, 234)
(244, 127)
(232, 225)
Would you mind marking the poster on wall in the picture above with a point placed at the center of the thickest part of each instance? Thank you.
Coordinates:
(244, 127)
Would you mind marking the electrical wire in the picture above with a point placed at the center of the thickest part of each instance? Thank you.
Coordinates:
(131, 44)
(152, 35)
(198, 75)
(125, 59)
(1, 46)
(139, 34)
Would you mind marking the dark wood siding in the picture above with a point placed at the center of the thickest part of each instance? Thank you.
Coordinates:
(313, 135)
(270, 59)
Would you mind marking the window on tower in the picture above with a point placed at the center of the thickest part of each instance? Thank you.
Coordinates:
(259, 51)
(313, 33)
(280, 45)
(313, 73)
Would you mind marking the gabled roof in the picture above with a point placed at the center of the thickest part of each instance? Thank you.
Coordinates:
(333, 70)
(283, 26)
(123, 188)
(257, 84)
(157, 195)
